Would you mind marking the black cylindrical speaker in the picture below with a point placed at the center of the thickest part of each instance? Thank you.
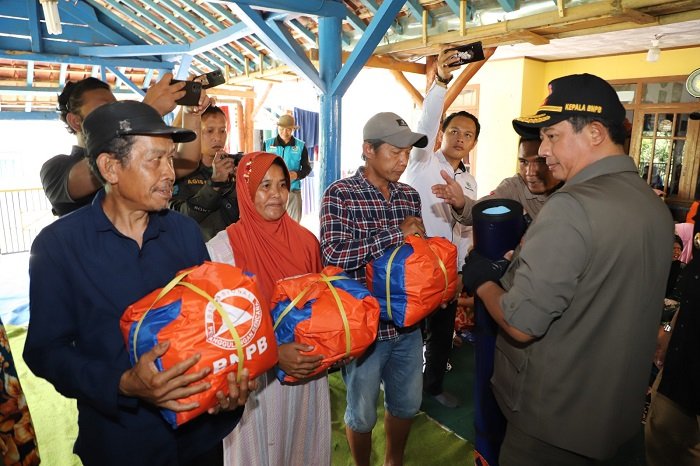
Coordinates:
(498, 226)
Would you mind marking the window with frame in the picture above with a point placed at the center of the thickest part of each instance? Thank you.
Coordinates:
(663, 139)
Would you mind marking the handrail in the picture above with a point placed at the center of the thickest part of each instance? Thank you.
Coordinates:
(23, 213)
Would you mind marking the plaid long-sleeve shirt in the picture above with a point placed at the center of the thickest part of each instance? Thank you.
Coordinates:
(358, 225)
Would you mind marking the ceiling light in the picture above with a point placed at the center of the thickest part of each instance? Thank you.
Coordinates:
(654, 51)
(53, 20)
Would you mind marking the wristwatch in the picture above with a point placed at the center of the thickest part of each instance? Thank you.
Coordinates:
(667, 327)
(438, 78)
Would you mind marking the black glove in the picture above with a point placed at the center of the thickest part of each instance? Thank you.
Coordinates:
(478, 270)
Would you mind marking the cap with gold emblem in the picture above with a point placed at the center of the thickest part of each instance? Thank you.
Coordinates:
(573, 95)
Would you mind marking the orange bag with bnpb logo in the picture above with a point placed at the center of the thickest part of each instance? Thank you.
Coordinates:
(213, 309)
(411, 280)
(329, 311)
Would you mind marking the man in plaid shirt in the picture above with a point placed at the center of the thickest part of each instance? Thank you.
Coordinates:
(362, 217)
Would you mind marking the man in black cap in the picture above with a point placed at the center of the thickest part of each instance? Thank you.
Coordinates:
(363, 216)
(579, 310)
(87, 267)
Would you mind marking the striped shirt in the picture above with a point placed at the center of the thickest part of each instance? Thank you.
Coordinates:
(358, 225)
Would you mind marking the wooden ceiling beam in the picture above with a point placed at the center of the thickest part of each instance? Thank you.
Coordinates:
(598, 29)
(375, 61)
(220, 91)
(626, 12)
(528, 36)
(636, 16)
(389, 63)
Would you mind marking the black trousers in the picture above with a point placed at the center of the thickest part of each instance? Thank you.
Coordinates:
(437, 333)
(213, 457)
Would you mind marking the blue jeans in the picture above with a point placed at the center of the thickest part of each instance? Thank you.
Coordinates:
(398, 364)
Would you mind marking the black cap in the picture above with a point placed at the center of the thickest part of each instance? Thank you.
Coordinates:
(574, 95)
(127, 118)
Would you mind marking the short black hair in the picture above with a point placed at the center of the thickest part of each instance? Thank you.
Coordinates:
(528, 138)
(616, 130)
(213, 110)
(375, 143)
(119, 147)
(71, 99)
(462, 113)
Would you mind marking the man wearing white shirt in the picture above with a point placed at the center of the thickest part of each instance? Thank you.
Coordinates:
(457, 135)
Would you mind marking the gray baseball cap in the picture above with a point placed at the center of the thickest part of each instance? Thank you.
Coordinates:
(392, 129)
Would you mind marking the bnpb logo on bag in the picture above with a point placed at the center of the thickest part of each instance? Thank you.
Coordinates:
(212, 310)
(245, 313)
(246, 324)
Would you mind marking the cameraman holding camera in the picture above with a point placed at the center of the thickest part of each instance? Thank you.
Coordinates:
(208, 195)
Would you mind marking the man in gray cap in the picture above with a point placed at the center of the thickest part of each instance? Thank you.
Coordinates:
(295, 155)
(362, 217)
(579, 310)
(87, 267)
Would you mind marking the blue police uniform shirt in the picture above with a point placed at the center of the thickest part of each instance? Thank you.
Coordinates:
(83, 275)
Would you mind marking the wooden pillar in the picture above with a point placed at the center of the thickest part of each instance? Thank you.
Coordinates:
(406, 84)
(248, 117)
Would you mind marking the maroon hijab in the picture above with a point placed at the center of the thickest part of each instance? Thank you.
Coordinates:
(270, 249)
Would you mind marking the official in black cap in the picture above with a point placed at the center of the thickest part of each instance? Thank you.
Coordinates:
(88, 266)
(578, 315)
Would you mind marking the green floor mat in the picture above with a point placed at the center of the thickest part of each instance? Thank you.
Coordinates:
(460, 382)
(55, 417)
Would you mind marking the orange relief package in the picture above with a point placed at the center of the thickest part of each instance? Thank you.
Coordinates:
(213, 309)
(329, 311)
(412, 280)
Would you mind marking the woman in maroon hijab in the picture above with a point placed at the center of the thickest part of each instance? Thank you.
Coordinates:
(282, 424)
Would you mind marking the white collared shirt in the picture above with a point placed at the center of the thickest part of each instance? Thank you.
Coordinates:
(423, 172)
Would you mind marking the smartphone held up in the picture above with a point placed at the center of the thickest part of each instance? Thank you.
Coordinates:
(193, 88)
(467, 53)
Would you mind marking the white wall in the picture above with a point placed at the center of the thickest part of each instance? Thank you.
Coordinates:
(26, 145)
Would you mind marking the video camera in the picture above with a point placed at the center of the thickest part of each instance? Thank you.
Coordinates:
(236, 157)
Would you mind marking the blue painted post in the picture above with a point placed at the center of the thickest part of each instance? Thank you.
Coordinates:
(329, 35)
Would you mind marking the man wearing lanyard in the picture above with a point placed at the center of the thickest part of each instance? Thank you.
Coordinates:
(295, 155)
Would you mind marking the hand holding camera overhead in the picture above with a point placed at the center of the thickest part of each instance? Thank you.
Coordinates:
(446, 65)
(164, 94)
(452, 58)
